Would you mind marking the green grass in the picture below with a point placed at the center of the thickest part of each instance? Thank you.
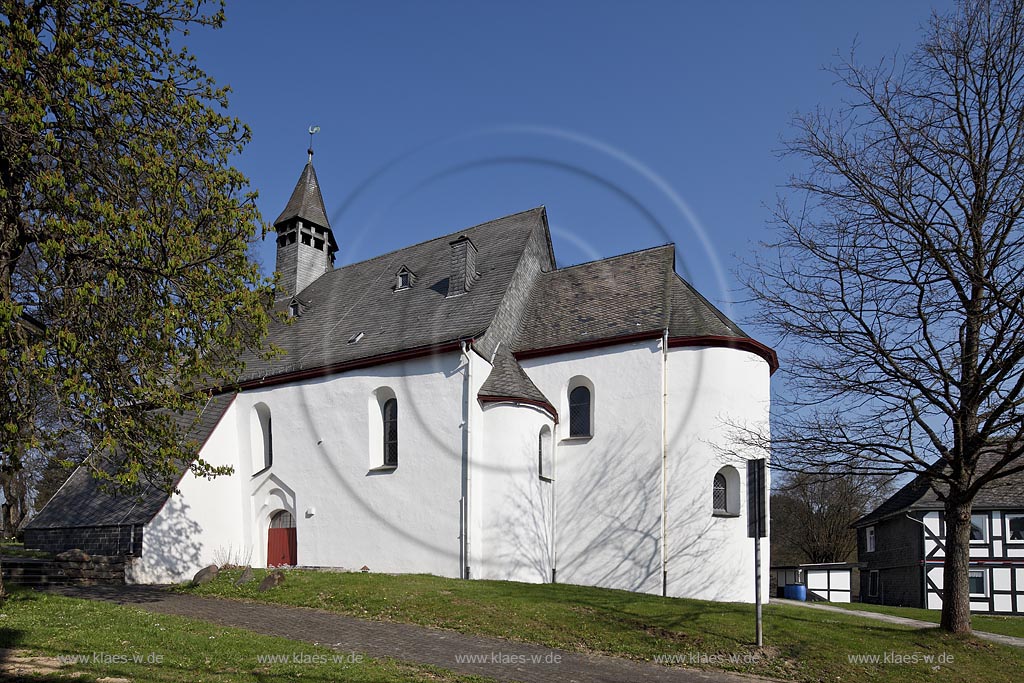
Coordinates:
(47, 624)
(1007, 626)
(15, 549)
(802, 644)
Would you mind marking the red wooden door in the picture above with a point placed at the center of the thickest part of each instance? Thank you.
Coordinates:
(282, 543)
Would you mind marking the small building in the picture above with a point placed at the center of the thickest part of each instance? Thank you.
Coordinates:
(901, 546)
(828, 581)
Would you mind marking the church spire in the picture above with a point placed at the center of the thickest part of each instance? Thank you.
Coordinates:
(306, 201)
(305, 241)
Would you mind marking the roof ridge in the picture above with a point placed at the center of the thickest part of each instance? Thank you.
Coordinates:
(671, 245)
(726, 320)
(433, 239)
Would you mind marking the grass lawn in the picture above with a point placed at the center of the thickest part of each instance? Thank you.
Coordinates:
(802, 644)
(15, 549)
(42, 628)
(1007, 626)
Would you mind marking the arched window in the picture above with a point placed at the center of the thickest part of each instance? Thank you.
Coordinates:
(261, 437)
(545, 466)
(389, 415)
(579, 412)
(282, 520)
(719, 495)
(725, 492)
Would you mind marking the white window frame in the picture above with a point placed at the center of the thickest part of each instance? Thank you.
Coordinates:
(1007, 516)
(575, 383)
(984, 527)
(545, 455)
(984, 579)
(869, 539)
(732, 493)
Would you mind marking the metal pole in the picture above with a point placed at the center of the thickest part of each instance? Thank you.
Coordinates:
(757, 584)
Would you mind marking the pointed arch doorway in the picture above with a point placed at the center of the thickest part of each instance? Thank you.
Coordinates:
(282, 543)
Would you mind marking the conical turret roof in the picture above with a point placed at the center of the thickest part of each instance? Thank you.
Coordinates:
(306, 202)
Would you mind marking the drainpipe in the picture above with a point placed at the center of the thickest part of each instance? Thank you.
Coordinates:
(554, 504)
(468, 436)
(664, 463)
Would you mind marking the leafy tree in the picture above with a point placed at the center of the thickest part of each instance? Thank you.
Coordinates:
(125, 282)
(898, 279)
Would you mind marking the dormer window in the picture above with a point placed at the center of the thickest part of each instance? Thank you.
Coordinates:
(294, 309)
(404, 279)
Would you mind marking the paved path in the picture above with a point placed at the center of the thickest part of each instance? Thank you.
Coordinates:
(902, 621)
(407, 642)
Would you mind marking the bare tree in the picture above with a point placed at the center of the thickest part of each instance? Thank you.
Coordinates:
(812, 515)
(896, 283)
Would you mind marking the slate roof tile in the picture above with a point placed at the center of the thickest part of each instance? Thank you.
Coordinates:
(618, 297)
(917, 494)
(507, 379)
(81, 502)
(360, 298)
(306, 202)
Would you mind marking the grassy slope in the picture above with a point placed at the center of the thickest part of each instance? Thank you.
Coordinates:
(803, 644)
(1007, 626)
(192, 650)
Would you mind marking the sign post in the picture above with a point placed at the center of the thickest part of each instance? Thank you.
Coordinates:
(757, 527)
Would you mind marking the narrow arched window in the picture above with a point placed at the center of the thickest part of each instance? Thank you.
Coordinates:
(389, 412)
(579, 412)
(545, 466)
(261, 438)
(720, 494)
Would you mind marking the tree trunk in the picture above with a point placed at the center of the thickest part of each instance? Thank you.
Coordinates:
(956, 603)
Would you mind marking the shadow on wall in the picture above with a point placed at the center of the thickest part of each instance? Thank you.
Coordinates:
(608, 517)
(608, 525)
(707, 555)
(171, 552)
(525, 527)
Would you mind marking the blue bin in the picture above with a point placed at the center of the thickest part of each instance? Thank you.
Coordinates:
(795, 591)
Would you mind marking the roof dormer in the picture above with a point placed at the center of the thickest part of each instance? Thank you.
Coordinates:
(404, 279)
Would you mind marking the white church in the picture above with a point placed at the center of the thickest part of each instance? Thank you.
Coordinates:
(463, 407)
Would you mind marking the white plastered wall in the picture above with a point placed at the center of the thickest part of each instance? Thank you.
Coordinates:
(198, 526)
(347, 513)
(713, 392)
(607, 488)
(516, 539)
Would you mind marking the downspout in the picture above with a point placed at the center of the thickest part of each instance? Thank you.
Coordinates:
(468, 436)
(664, 463)
(554, 504)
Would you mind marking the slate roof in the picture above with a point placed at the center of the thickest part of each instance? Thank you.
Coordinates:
(508, 380)
(306, 201)
(360, 298)
(80, 502)
(1005, 493)
(615, 297)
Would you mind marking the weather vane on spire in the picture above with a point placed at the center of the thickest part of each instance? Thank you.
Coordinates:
(313, 130)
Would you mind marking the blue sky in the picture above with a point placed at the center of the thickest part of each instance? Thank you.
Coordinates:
(634, 123)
